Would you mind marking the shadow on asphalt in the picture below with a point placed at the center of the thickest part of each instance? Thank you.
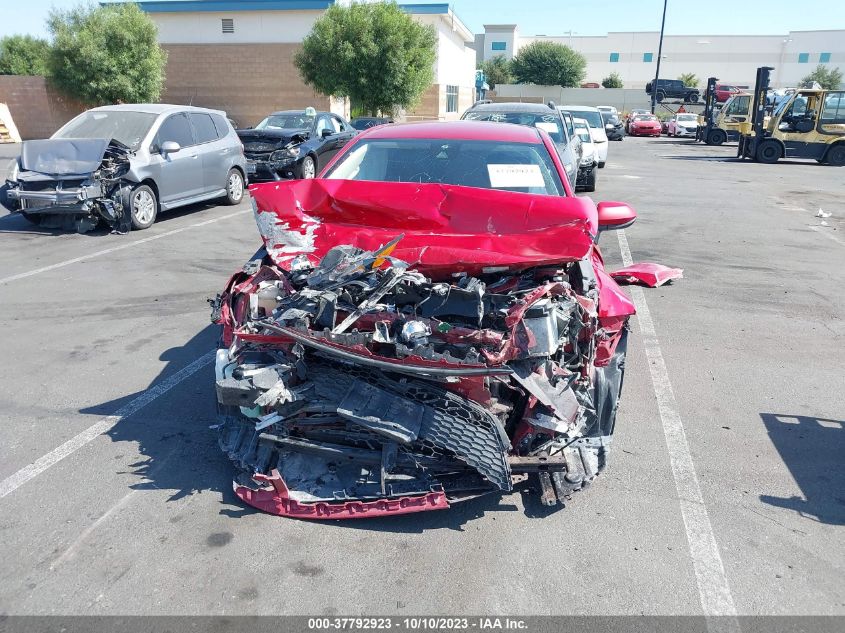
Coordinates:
(181, 453)
(812, 449)
(17, 224)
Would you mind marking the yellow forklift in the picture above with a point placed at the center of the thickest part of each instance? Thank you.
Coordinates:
(726, 124)
(809, 124)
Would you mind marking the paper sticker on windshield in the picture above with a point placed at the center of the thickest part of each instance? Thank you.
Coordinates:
(550, 128)
(507, 176)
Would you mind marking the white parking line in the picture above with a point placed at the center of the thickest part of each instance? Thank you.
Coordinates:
(15, 481)
(713, 588)
(68, 262)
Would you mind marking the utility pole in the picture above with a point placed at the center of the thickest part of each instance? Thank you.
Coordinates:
(659, 55)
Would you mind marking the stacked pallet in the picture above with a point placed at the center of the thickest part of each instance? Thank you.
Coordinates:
(8, 130)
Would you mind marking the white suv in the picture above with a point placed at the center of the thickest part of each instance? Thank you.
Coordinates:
(593, 117)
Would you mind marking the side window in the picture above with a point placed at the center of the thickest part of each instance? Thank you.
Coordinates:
(203, 127)
(221, 124)
(323, 124)
(175, 128)
(570, 126)
(336, 123)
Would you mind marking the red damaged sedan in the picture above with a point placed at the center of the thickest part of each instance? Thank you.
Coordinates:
(645, 125)
(428, 321)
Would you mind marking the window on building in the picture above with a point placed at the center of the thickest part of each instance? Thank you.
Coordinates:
(228, 25)
(451, 98)
(614, 57)
(803, 58)
(824, 58)
(647, 57)
(500, 46)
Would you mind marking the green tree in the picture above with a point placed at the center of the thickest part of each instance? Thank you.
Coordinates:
(497, 70)
(373, 53)
(106, 54)
(23, 55)
(829, 78)
(690, 80)
(613, 80)
(549, 64)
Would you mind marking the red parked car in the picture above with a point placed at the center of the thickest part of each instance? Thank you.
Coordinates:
(427, 318)
(724, 92)
(645, 125)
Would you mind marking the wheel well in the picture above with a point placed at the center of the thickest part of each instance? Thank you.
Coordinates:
(240, 171)
(152, 185)
(831, 146)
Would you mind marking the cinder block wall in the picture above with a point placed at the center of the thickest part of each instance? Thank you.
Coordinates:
(38, 110)
(248, 81)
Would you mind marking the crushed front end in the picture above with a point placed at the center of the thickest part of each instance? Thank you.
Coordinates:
(81, 181)
(366, 377)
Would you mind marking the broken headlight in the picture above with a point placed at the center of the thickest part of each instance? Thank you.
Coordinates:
(12, 173)
(289, 153)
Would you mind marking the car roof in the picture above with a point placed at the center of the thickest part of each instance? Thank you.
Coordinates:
(512, 106)
(579, 108)
(458, 130)
(157, 108)
(302, 111)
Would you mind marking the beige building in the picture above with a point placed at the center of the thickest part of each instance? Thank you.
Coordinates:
(237, 55)
(733, 59)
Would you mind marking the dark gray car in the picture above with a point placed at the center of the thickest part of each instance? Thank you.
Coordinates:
(544, 117)
(123, 164)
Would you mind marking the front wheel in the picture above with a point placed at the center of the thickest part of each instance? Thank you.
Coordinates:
(143, 207)
(591, 181)
(234, 187)
(693, 98)
(836, 155)
(602, 164)
(717, 137)
(768, 151)
(308, 169)
(660, 97)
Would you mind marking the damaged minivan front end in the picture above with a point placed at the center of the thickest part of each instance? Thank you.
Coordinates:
(81, 180)
(399, 351)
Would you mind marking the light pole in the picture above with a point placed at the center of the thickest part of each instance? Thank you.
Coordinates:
(659, 55)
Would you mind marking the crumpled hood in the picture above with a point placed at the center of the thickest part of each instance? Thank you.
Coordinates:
(275, 135)
(63, 156)
(447, 229)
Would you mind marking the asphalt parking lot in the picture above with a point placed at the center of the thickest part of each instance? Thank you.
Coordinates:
(725, 492)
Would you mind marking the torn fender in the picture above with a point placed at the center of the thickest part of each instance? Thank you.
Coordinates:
(647, 274)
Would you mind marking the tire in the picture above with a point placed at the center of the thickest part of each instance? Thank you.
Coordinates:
(836, 155)
(32, 218)
(308, 168)
(693, 97)
(602, 164)
(591, 182)
(660, 96)
(768, 151)
(234, 187)
(608, 389)
(716, 137)
(143, 207)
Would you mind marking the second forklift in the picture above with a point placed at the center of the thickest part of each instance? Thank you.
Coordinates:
(809, 124)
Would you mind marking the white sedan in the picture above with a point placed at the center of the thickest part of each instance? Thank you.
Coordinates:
(684, 124)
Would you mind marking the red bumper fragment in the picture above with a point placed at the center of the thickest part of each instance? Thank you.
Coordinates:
(647, 274)
(276, 500)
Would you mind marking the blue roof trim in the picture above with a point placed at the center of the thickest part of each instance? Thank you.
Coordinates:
(186, 6)
(425, 8)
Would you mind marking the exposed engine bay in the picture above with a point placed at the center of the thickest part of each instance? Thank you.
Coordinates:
(357, 383)
(63, 183)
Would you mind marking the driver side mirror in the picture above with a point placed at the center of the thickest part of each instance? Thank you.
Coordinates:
(615, 215)
(170, 147)
(326, 132)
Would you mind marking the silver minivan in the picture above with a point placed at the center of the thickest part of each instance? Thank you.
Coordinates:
(122, 164)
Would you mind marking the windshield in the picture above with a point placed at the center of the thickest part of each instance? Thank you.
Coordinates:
(287, 121)
(590, 116)
(125, 126)
(687, 117)
(548, 122)
(609, 117)
(520, 167)
(645, 117)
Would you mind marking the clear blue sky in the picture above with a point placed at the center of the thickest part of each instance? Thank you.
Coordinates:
(585, 17)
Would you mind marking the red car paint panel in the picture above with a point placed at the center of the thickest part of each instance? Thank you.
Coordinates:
(647, 274)
(447, 229)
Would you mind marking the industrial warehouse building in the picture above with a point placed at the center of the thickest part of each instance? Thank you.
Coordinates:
(733, 59)
(238, 56)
